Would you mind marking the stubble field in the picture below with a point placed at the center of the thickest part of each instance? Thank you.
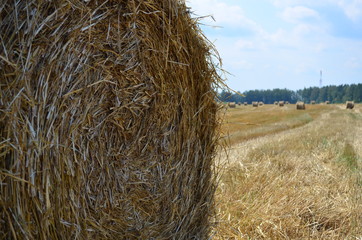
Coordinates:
(290, 174)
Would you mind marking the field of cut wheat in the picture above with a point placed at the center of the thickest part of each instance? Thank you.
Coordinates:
(290, 174)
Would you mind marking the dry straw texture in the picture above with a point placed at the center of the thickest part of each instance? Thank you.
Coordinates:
(327, 102)
(300, 106)
(107, 121)
(349, 104)
(255, 104)
(260, 103)
(312, 102)
(245, 103)
(281, 103)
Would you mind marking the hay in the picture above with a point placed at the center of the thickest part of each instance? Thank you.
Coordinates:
(327, 102)
(239, 103)
(255, 104)
(300, 106)
(286, 103)
(232, 105)
(245, 103)
(260, 103)
(281, 103)
(276, 103)
(313, 102)
(349, 104)
(107, 121)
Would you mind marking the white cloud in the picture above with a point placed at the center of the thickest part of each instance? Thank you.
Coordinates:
(353, 9)
(298, 49)
(298, 14)
(243, 64)
(353, 63)
(225, 15)
(245, 44)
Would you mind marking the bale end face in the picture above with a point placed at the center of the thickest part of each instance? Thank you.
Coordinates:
(300, 106)
(232, 105)
(349, 105)
(108, 121)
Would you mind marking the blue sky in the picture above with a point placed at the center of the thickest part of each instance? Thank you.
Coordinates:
(266, 44)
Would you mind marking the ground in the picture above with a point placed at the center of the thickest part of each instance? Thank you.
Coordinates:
(290, 174)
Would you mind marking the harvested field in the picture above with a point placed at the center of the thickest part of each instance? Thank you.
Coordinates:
(291, 174)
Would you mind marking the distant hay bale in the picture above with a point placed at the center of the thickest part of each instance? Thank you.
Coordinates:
(276, 103)
(245, 103)
(254, 104)
(108, 121)
(232, 105)
(349, 104)
(239, 103)
(281, 103)
(327, 102)
(300, 106)
(286, 103)
(312, 102)
(260, 103)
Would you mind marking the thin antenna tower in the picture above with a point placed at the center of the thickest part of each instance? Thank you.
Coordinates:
(320, 80)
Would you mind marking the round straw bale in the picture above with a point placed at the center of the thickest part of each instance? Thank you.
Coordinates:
(245, 103)
(327, 102)
(349, 104)
(232, 105)
(107, 129)
(255, 104)
(281, 103)
(260, 103)
(276, 103)
(300, 105)
(286, 103)
(239, 103)
(312, 102)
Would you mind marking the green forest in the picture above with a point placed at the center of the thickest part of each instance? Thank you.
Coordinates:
(334, 94)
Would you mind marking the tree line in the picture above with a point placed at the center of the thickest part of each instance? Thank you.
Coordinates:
(334, 94)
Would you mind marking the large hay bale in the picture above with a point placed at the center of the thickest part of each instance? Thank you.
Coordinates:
(255, 104)
(107, 121)
(349, 104)
(232, 105)
(300, 105)
(281, 103)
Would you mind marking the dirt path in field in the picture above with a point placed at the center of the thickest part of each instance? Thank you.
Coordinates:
(236, 151)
